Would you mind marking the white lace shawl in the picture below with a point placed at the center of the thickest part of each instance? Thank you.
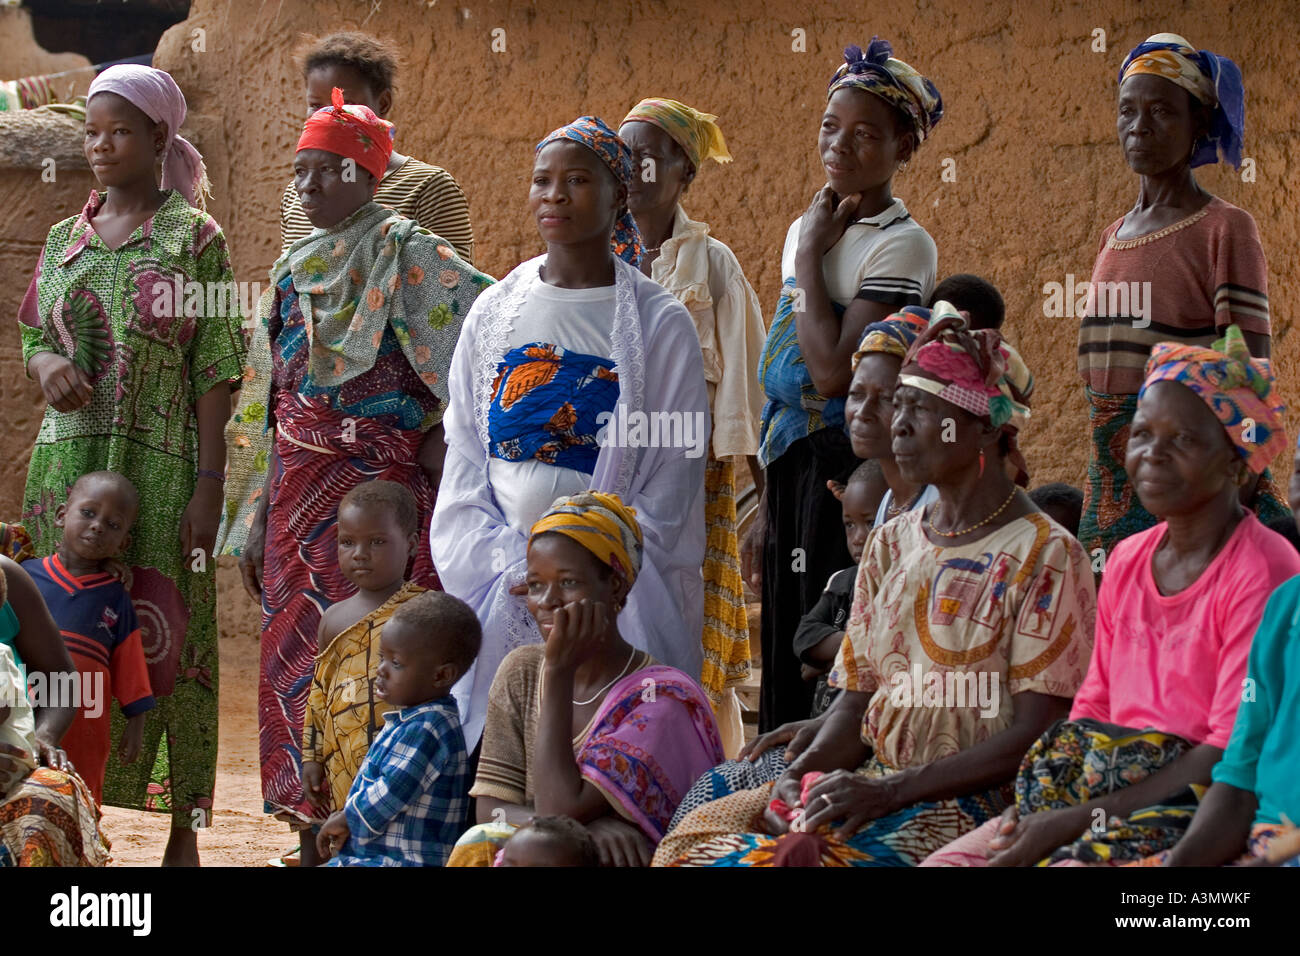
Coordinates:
(479, 556)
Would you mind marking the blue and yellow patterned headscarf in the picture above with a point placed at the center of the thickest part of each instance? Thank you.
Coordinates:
(1214, 80)
(878, 73)
(592, 132)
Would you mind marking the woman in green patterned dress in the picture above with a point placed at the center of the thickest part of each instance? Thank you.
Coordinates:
(131, 328)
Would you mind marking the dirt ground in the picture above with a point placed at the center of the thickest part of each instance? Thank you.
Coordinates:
(240, 835)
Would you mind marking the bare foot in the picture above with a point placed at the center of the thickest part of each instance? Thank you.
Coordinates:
(182, 848)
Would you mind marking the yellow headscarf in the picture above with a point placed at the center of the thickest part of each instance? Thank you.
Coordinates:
(695, 132)
(602, 524)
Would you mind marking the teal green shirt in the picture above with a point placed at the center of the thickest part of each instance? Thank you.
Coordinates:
(1263, 753)
(9, 628)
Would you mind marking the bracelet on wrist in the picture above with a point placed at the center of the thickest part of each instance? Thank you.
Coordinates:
(214, 475)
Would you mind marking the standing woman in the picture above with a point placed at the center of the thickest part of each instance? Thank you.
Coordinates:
(855, 257)
(565, 341)
(671, 140)
(1199, 257)
(363, 316)
(139, 385)
(365, 69)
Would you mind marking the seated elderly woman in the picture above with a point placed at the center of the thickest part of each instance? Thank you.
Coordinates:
(971, 629)
(1178, 606)
(587, 726)
(869, 412)
(1248, 814)
(47, 815)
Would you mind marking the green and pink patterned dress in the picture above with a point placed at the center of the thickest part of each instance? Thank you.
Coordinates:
(153, 324)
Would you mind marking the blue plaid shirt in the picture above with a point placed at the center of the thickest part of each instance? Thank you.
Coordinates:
(408, 804)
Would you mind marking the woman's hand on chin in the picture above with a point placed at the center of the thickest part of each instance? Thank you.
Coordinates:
(620, 843)
(578, 632)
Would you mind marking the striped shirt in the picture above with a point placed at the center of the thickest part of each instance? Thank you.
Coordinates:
(1183, 283)
(415, 190)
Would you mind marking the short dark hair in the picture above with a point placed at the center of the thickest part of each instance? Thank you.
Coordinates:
(388, 497)
(375, 59)
(122, 483)
(443, 623)
(970, 293)
(569, 833)
(869, 470)
(1067, 498)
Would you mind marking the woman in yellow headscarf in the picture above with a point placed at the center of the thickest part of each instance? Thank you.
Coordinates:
(669, 142)
(586, 725)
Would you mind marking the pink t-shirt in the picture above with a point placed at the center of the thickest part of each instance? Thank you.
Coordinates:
(1176, 662)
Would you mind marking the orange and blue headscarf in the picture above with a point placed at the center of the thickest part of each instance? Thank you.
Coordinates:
(974, 369)
(1236, 386)
(1214, 80)
(601, 523)
(877, 72)
(894, 335)
(592, 132)
(351, 131)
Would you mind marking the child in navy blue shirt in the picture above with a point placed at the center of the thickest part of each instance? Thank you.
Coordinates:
(408, 804)
(97, 620)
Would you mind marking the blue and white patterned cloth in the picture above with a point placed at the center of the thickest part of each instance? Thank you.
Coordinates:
(408, 804)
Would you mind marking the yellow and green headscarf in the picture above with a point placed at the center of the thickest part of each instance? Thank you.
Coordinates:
(601, 523)
(695, 132)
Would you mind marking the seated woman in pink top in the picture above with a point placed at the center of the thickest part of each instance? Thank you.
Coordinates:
(1178, 606)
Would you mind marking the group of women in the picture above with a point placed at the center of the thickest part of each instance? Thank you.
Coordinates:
(381, 352)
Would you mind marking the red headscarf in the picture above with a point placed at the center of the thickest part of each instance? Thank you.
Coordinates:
(353, 132)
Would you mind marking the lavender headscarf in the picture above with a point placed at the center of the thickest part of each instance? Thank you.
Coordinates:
(156, 94)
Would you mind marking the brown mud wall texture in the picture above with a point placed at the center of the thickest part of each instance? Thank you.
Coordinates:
(1029, 133)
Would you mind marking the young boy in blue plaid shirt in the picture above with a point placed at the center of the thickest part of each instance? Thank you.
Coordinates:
(408, 804)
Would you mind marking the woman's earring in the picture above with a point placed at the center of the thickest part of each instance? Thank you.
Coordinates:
(981, 474)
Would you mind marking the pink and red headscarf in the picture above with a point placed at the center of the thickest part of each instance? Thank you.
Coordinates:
(155, 93)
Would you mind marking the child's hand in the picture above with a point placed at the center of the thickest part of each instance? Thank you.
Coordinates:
(809, 673)
(333, 835)
(128, 748)
(836, 488)
(65, 386)
(313, 784)
(200, 521)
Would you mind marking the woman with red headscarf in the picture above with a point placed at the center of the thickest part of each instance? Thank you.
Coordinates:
(362, 315)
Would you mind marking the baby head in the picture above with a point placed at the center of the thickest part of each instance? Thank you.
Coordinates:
(97, 518)
(977, 297)
(428, 643)
(378, 532)
(551, 841)
(859, 502)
